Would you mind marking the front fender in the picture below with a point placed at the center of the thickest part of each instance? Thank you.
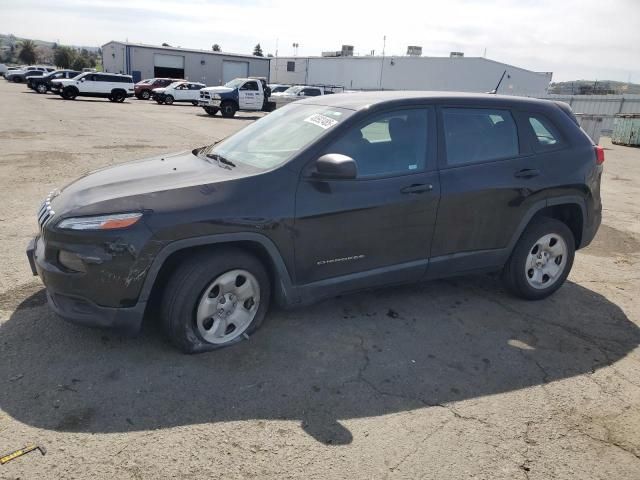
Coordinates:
(286, 294)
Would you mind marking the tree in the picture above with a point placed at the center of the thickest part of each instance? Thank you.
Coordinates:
(79, 63)
(216, 48)
(257, 51)
(28, 52)
(64, 57)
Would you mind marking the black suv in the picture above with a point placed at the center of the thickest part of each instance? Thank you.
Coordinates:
(325, 196)
(43, 84)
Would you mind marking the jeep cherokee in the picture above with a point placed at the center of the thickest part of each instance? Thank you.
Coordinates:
(325, 196)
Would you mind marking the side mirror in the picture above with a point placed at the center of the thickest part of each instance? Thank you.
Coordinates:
(336, 166)
(82, 79)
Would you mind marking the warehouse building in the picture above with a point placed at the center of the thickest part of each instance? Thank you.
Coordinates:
(148, 61)
(411, 72)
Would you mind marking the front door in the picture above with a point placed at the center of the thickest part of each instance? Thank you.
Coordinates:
(248, 94)
(384, 218)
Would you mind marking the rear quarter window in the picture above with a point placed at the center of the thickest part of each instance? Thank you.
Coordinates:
(545, 135)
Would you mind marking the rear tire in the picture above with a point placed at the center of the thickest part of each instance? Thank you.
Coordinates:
(214, 300)
(145, 95)
(227, 109)
(117, 96)
(541, 260)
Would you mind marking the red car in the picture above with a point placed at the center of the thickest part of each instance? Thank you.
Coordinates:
(143, 88)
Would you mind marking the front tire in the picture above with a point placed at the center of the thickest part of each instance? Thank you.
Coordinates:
(211, 110)
(541, 260)
(227, 109)
(169, 100)
(41, 88)
(214, 300)
(69, 93)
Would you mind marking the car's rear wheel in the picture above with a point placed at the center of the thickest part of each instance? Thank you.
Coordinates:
(214, 300)
(541, 260)
(168, 99)
(211, 110)
(41, 88)
(145, 95)
(117, 96)
(227, 109)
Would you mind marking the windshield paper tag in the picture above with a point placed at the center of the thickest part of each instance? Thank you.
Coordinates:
(321, 121)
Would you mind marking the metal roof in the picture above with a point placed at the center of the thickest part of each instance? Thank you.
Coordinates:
(186, 50)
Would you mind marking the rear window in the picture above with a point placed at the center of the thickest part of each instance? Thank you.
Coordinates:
(545, 133)
(474, 135)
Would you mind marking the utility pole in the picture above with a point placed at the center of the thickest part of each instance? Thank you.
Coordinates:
(384, 46)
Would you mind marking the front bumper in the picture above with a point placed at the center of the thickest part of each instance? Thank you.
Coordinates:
(65, 297)
(213, 102)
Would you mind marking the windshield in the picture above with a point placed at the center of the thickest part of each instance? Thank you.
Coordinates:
(276, 138)
(235, 83)
(173, 85)
(293, 90)
(145, 82)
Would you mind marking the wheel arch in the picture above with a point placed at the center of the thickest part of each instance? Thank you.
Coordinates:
(258, 245)
(571, 210)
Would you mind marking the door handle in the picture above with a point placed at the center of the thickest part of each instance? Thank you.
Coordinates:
(417, 188)
(527, 173)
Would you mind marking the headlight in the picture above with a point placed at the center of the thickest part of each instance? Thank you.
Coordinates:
(103, 222)
(216, 96)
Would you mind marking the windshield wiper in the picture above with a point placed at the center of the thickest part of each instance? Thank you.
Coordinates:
(221, 160)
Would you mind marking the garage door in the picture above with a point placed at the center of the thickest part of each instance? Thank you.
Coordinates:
(231, 70)
(171, 66)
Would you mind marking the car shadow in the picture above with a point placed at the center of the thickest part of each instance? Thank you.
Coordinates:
(368, 354)
(91, 100)
(237, 117)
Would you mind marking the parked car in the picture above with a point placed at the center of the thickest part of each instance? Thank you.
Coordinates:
(20, 74)
(44, 84)
(4, 71)
(297, 92)
(178, 92)
(278, 87)
(248, 94)
(143, 88)
(114, 86)
(31, 75)
(323, 197)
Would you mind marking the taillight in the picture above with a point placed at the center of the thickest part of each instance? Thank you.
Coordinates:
(599, 155)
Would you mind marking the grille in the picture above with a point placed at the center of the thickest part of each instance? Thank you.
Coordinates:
(204, 94)
(46, 213)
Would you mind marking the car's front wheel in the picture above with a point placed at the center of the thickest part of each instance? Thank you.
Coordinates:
(541, 260)
(227, 109)
(41, 88)
(215, 299)
(211, 110)
(168, 99)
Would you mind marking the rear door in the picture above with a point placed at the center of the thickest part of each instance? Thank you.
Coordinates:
(382, 219)
(489, 180)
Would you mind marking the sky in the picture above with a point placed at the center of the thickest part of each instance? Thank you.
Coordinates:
(575, 39)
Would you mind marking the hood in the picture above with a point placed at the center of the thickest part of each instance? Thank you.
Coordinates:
(218, 90)
(159, 90)
(65, 81)
(135, 185)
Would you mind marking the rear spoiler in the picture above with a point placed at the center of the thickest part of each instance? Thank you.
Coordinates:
(567, 109)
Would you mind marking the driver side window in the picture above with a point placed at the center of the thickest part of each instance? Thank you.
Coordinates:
(390, 143)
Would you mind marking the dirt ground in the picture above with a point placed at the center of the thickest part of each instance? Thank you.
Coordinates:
(443, 380)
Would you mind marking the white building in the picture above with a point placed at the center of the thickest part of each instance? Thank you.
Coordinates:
(149, 61)
(465, 74)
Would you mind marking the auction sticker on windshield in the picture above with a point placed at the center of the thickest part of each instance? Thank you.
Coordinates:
(321, 121)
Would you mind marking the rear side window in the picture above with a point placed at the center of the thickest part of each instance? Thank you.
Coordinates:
(311, 92)
(545, 133)
(474, 135)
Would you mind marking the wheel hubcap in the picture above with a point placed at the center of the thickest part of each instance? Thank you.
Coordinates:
(546, 261)
(228, 306)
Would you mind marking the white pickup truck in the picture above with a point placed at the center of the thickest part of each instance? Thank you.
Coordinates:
(248, 94)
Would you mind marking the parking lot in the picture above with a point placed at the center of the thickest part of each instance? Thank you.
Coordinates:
(443, 380)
